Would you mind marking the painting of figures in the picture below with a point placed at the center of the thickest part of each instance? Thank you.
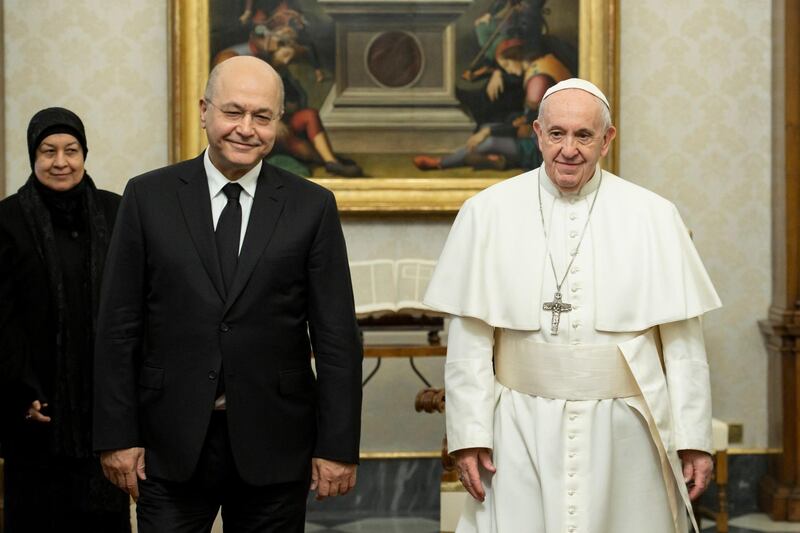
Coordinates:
(404, 88)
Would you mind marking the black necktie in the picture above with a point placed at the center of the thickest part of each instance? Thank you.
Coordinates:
(229, 228)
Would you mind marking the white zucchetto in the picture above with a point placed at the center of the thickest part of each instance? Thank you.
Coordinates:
(577, 83)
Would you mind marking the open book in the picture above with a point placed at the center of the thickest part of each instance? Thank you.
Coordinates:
(385, 286)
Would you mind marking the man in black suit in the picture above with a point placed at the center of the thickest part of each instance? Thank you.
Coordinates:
(222, 273)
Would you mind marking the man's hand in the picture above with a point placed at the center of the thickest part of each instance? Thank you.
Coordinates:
(495, 85)
(123, 468)
(331, 478)
(477, 138)
(697, 468)
(468, 460)
(35, 414)
(486, 18)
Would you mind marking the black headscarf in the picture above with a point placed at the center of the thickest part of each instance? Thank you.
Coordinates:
(42, 207)
(51, 121)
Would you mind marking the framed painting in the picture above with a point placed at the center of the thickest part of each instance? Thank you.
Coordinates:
(397, 106)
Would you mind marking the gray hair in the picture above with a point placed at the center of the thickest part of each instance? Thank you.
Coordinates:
(605, 113)
(211, 84)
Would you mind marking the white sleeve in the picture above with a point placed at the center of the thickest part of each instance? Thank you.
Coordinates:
(469, 384)
(688, 383)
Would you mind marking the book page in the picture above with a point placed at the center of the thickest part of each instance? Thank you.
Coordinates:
(413, 276)
(373, 286)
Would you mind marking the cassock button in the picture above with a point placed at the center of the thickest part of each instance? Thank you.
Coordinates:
(571, 492)
(573, 216)
(74, 234)
(571, 455)
(571, 510)
(571, 436)
(212, 375)
(573, 234)
(576, 324)
(571, 474)
(224, 328)
(573, 417)
(572, 529)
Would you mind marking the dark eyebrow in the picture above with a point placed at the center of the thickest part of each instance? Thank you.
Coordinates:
(48, 145)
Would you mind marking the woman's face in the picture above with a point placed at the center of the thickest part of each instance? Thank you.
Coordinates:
(59, 162)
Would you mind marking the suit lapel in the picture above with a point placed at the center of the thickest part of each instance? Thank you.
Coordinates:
(264, 215)
(196, 205)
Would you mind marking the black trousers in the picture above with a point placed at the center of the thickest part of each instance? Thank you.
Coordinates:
(191, 507)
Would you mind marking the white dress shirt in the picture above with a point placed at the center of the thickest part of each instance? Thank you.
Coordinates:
(216, 181)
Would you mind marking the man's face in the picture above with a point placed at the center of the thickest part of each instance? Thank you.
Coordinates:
(240, 119)
(571, 138)
(59, 162)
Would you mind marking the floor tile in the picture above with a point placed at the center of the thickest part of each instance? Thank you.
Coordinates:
(390, 525)
(315, 528)
(760, 522)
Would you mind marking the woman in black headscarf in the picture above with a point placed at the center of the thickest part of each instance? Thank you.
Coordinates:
(54, 234)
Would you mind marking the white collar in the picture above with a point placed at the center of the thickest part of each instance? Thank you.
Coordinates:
(548, 185)
(216, 180)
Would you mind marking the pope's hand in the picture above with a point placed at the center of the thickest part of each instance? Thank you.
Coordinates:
(124, 468)
(331, 478)
(697, 468)
(469, 462)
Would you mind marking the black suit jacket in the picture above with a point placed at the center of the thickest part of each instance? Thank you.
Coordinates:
(166, 326)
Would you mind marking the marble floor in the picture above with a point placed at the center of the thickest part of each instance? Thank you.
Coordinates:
(376, 525)
(754, 523)
(750, 523)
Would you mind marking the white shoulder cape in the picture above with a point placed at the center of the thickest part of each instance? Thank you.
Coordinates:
(647, 270)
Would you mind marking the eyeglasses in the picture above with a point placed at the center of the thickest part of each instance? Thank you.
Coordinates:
(233, 114)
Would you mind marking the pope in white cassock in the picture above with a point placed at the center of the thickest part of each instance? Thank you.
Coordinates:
(578, 395)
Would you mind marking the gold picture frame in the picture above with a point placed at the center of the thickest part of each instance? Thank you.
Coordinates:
(190, 56)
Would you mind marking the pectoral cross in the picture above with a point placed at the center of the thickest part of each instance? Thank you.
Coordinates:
(556, 307)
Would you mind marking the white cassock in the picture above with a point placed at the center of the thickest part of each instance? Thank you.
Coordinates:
(580, 460)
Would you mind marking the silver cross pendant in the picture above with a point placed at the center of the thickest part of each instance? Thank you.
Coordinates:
(556, 307)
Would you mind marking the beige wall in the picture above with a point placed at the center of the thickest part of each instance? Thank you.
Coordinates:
(694, 127)
(105, 60)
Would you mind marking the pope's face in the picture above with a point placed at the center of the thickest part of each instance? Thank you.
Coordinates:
(571, 138)
(240, 119)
